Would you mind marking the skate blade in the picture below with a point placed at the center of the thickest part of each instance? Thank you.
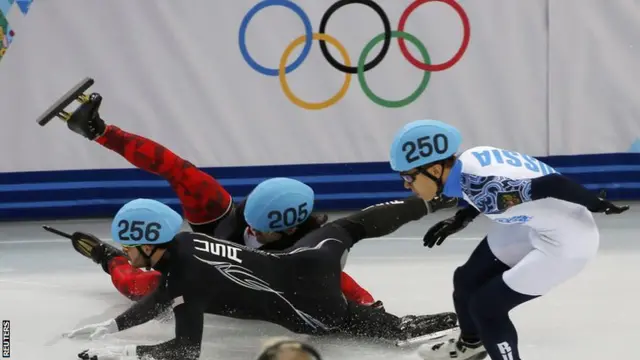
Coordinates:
(438, 335)
(56, 231)
(57, 109)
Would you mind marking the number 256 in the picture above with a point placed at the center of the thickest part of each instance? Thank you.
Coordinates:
(138, 230)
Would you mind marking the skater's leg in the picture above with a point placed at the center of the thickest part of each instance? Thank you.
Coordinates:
(365, 321)
(532, 277)
(375, 221)
(480, 268)
(319, 255)
(503, 247)
(353, 291)
(203, 199)
(131, 282)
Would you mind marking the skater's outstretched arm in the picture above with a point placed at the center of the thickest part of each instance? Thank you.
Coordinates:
(188, 341)
(519, 191)
(383, 219)
(145, 310)
(561, 187)
(203, 199)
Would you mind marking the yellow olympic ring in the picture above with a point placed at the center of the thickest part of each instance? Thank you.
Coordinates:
(283, 76)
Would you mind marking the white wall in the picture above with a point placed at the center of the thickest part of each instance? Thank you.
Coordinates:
(543, 77)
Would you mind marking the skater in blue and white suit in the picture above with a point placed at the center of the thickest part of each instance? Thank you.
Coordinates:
(543, 231)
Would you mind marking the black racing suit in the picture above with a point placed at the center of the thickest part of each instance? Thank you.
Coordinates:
(298, 288)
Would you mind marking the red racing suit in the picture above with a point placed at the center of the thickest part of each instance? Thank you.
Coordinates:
(204, 203)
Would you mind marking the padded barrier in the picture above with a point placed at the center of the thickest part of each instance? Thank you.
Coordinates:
(100, 193)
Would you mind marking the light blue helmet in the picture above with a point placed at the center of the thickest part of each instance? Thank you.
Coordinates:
(145, 222)
(423, 142)
(278, 204)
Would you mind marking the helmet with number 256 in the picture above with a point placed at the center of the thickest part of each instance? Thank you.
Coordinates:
(145, 222)
(423, 142)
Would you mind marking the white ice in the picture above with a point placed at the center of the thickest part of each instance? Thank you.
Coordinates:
(46, 288)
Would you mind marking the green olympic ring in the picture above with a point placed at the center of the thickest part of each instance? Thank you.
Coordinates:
(363, 81)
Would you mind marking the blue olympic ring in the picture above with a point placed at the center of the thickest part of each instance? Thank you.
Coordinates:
(243, 34)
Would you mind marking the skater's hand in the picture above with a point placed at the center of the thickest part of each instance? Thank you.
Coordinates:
(608, 207)
(441, 202)
(94, 331)
(440, 231)
(127, 352)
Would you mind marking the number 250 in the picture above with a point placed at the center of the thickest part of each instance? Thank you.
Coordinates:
(425, 147)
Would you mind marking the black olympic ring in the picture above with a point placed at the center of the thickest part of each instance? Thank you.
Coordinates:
(385, 45)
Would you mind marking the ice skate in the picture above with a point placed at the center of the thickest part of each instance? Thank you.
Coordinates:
(89, 246)
(85, 120)
(451, 347)
(95, 249)
(420, 328)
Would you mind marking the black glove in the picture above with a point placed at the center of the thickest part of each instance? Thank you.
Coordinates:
(441, 202)
(440, 231)
(608, 207)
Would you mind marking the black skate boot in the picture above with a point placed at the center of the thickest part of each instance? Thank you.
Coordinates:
(413, 326)
(95, 249)
(85, 120)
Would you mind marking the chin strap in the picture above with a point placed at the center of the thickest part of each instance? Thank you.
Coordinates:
(146, 257)
(437, 180)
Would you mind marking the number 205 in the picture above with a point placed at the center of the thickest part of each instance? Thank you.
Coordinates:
(289, 217)
(138, 230)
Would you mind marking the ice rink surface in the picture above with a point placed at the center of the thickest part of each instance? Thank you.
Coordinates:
(46, 288)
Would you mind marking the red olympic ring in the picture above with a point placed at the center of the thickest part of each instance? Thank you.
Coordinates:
(465, 39)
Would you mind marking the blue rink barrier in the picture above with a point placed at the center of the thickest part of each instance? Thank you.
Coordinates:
(99, 193)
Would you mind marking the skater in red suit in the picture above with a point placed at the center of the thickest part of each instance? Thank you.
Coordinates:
(206, 205)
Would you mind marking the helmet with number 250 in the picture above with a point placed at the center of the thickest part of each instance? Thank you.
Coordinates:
(423, 142)
(145, 222)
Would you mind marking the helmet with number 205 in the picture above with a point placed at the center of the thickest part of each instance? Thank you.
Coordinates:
(423, 142)
(278, 204)
(145, 222)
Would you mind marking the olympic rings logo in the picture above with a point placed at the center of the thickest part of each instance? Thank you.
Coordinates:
(362, 66)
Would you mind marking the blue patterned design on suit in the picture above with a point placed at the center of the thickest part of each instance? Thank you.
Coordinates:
(488, 192)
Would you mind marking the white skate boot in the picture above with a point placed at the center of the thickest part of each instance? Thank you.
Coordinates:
(451, 348)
